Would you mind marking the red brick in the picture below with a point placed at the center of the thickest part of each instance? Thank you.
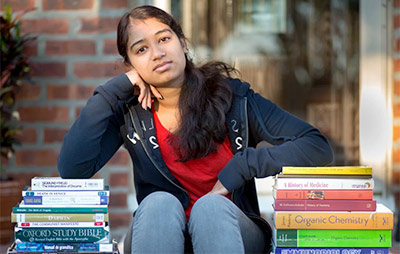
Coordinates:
(99, 25)
(28, 136)
(67, 4)
(4, 162)
(396, 87)
(120, 158)
(396, 3)
(28, 92)
(18, 5)
(114, 4)
(30, 48)
(49, 69)
(69, 92)
(97, 70)
(70, 47)
(396, 177)
(118, 199)
(396, 110)
(110, 47)
(36, 157)
(396, 21)
(44, 114)
(120, 220)
(54, 135)
(396, 45)
(396, 133)
(396, 65)
(119, 179)
(45, 26)
(396, 156)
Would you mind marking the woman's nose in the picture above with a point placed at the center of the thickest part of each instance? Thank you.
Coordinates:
(158, 53)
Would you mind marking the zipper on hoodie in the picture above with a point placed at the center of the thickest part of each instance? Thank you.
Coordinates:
(151, 158)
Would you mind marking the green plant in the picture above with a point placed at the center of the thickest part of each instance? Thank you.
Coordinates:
(14, 67)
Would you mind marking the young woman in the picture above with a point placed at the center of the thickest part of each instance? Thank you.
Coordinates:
(192, 147)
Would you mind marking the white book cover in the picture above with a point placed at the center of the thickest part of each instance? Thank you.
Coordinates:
(323, 183)
(63, 224)
(66, 193)
(22, 204)
(57, 183)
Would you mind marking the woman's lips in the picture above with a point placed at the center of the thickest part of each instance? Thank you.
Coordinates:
(162, 66)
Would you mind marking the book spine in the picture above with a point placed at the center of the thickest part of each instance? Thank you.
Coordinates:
(343, 170)
(324, 194)
(281, 250)
(66, 184)
(332, 238)
(323, 183)
(333, 220)
(53, 224)
(82, 200)
(59, 217)
(65, 235)
(29, 193)
(60, 209)
(324, 205)
(64, 247)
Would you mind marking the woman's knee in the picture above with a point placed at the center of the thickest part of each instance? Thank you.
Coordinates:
(160, 204)
(211, 206)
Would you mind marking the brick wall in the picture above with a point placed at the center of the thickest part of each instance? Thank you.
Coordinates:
(396, 100)
(75, 51)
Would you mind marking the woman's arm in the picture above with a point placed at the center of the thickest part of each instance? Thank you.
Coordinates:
(94, 137)
(294, 141)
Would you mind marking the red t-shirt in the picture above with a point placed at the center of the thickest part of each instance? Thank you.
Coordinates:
(197, 176)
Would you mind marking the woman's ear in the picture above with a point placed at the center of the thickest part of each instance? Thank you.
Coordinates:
(184, 46)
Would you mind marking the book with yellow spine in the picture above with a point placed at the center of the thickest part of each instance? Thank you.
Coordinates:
(330, 170)
(382, 218)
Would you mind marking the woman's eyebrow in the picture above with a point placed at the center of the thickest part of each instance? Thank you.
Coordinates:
(158, 32)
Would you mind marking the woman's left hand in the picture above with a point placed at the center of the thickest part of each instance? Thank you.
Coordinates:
(219, 189)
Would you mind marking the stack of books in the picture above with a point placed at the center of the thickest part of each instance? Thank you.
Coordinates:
(63, 215)
(329, 210)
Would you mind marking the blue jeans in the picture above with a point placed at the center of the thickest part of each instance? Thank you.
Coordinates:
(216, 225)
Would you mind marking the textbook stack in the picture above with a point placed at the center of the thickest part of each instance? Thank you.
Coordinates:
(62, 215)
(329, 210)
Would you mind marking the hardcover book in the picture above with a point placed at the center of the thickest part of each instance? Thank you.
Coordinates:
(330, 170)
(62, 235)
(332, 238)
(324, 205)
(59, 217)
(61, 200)
(323, 194)
(382, 219)
(57, 183)
(53, 193)
(69, 207)
(64, 247)
(59, 224)
(323, 183)
(283, 250)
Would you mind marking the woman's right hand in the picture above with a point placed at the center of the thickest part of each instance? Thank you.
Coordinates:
(145, 90)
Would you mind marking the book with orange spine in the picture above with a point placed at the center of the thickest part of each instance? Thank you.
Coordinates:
(382, 218)
(324, 194)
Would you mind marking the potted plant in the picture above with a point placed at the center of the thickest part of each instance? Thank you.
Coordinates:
(14, 67)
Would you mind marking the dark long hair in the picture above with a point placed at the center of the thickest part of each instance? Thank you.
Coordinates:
(205, 98)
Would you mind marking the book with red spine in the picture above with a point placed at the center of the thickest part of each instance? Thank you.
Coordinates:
(324, 194)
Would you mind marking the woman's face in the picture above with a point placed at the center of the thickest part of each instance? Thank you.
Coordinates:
(156, 52)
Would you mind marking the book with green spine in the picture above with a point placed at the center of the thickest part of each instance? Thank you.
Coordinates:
(332, 238)
(69, 209)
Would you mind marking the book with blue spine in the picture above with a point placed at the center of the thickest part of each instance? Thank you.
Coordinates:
(283, 250)
(64, 247)
(22, 208)
(58, 200)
